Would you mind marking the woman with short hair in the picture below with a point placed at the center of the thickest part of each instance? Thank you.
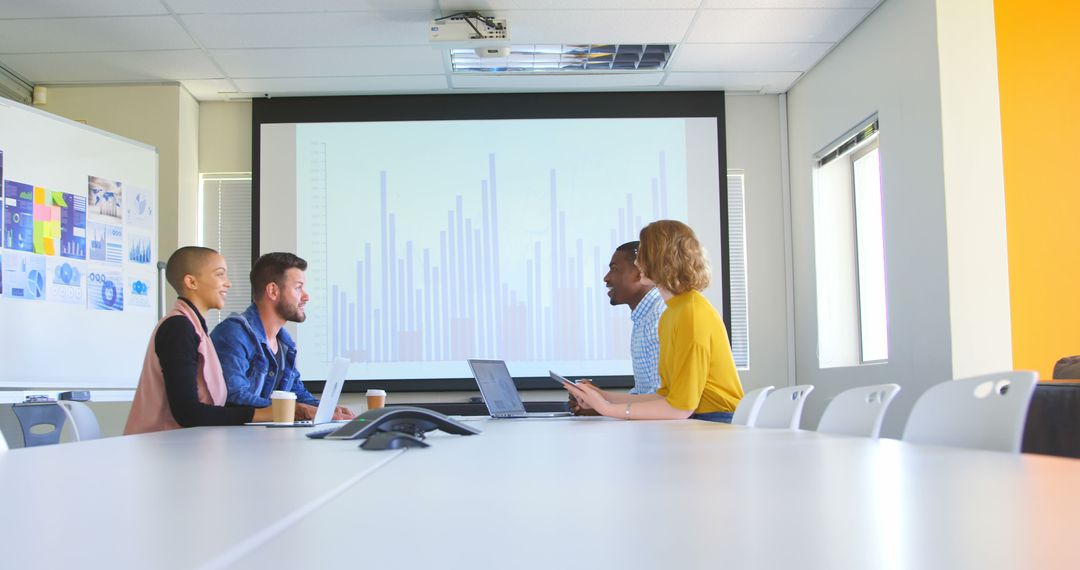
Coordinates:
(697, 371)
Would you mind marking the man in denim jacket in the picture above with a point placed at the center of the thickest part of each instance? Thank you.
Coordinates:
(257, 354)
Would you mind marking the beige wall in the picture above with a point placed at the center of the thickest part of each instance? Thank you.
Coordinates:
(224, 137)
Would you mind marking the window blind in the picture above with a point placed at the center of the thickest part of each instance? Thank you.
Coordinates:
(226, 227)
(740, 323)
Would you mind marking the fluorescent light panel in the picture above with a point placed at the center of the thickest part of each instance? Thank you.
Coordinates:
(577, 58)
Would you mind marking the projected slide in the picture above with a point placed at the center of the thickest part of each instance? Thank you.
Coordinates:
(433, 242)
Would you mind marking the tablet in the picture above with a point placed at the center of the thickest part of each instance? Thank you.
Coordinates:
(560, 379)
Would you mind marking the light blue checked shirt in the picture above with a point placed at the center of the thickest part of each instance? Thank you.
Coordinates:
(645, 343)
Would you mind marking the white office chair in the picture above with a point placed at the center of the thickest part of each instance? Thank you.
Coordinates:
(982, 412)
(84, 423)
(783, 407)
(858, 411)
(3, 443)
(747, 411)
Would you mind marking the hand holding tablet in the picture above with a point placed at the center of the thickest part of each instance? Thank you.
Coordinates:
(560, 379)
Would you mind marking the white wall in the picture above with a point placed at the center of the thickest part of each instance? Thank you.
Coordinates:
(975, 183)
(753, 145)
(891, 64)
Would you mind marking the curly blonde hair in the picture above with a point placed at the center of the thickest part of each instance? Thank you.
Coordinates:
(671, 256)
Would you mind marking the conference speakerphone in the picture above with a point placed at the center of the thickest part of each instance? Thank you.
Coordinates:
(404, 419)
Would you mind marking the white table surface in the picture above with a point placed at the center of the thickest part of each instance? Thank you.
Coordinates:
(575, 493)
(612, 494)
(166, 500)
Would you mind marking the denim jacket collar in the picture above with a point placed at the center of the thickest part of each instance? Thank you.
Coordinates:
(252, 320)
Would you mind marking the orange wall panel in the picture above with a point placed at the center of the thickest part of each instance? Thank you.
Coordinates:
(1038, 47)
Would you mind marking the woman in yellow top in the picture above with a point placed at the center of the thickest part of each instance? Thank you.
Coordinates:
(697, 372)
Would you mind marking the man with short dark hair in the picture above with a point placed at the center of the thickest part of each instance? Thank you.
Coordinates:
(627, 286)
(257, 354)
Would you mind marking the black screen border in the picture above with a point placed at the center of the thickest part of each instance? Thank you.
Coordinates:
(494, 106)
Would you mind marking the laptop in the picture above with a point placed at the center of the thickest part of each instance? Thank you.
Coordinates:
(327, 403)
(499, 393)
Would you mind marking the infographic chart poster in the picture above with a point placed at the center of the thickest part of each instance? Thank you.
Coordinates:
(139, 207)
(18, 216)
(105, 198)
(66, 281)
(24, 276)
(139, 285)
(105, 289)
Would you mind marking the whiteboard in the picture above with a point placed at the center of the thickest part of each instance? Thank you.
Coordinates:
(78, 253)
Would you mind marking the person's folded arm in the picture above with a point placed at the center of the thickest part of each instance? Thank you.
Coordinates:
(177, 345)
(236, 356)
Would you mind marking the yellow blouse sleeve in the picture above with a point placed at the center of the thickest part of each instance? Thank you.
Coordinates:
(689, 371)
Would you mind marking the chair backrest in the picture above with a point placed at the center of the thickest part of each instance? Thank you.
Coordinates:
(40, 422)
(983, 412)
(783, 407)
(858, 411)
(747, 411)
(83, 421)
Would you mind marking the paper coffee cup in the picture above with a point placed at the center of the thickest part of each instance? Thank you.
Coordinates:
(376, 399)
(283, 406)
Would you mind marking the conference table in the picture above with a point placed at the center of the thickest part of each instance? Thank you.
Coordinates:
(535, 493)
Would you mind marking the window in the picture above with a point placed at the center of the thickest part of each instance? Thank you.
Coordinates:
(850, 251)
(740, 322)
(225, 225)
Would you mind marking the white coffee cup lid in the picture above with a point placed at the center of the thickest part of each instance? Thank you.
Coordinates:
(376, 392)
(282, 395)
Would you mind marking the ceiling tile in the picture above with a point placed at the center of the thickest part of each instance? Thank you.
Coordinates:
(552, 82)
(597, 26)
(753, 4)
(309, 30)
(298, 86)
(92, 34)
(113, 66)
(748, 57)
(268, 6)
(767, 82)
(333, 62)
(78, 8)
(451, 6)
(209, 89)
(766, 26)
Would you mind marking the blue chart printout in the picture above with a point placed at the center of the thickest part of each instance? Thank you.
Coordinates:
(72, 225)
(105, 289)
(139, 204)
(447, 241)
(140, 249)
(66, 281)
(24, 276)
(18, 216)
(138, 290)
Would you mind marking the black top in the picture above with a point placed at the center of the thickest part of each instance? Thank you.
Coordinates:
(177, 348)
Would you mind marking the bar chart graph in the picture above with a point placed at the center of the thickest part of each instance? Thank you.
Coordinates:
(506, 262)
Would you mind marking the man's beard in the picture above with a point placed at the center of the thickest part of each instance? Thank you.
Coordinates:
(292, 314)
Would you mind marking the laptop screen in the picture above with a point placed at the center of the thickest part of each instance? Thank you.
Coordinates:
(328, 400)
(497, 387)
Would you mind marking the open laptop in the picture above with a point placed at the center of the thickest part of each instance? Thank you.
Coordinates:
(499, 393)
(327, 402)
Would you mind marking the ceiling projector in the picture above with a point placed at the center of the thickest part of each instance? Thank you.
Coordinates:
(471, 30)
